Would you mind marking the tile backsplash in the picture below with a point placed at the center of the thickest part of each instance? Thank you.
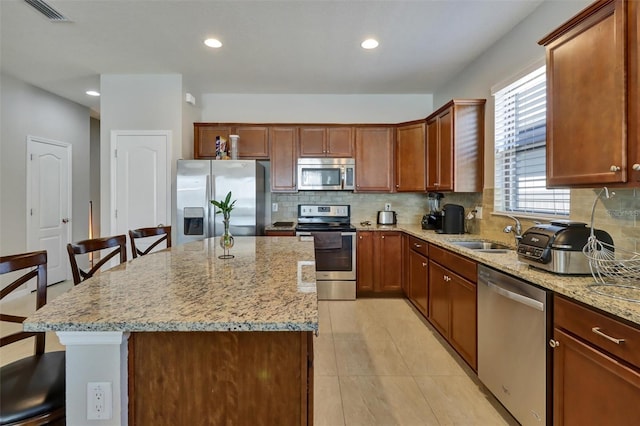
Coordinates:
(618, 215)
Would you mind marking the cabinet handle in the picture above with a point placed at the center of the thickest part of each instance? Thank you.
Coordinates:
(360, 236)
(614, 168)
(417, 245)
(424, 264)
(600, 333)
(554, 343)
(636, 167)
(65, 220)
(383, 237)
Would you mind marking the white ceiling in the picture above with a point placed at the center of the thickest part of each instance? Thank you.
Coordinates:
(303, 46)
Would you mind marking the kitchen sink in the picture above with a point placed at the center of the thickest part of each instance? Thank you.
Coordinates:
(483, 246)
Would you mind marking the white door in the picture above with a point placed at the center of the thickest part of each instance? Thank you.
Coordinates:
(49, 204)
(140, 181)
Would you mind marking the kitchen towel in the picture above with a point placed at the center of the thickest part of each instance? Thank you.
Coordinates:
(327, 240)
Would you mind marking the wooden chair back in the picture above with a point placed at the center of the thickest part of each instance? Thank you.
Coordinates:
(163, 231)
(36, 263)
(118, 242)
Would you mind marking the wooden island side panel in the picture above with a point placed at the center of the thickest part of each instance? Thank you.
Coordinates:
(221, 378)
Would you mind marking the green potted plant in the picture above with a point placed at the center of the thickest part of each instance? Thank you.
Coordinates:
(225, 207)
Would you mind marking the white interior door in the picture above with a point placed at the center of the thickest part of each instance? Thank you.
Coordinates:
(49, 204)
(140, 181)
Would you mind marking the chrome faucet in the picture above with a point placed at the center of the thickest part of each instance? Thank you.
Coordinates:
(517, 230)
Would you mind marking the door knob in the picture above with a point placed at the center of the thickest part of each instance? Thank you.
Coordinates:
(636, 167)
(65, 220)
(614, 168)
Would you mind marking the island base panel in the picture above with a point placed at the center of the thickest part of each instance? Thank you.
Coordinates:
(221, 378)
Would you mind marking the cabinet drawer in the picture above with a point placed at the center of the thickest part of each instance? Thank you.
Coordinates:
(586, 323)
(464, 267)
(419, 245)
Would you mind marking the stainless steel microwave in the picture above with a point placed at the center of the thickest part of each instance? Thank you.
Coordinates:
(326, 174)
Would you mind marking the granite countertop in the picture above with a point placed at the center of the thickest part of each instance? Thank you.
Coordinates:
(574, 287)
(268, 286)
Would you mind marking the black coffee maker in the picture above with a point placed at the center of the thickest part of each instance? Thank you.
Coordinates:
(433, 219)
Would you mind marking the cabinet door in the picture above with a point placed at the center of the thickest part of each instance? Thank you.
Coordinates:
(374, 159)
(445, 150)
(390, 259)
(418, 280)
(254, 142)
(463, 330)
(586, 108)
(312, 142)
(284, 156)
(439, 279)
(432, 161)
(365, 265)
(590, 387)
(339, 142)
(204, 139)
(410, 157)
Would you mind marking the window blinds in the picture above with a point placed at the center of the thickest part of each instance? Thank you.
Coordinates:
(520, 147)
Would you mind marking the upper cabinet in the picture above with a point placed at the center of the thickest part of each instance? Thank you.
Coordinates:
(253, 142)
(593, 97)
(326, 141)
(455, 147)
(374, 159)
(284, 157)
(410, 157)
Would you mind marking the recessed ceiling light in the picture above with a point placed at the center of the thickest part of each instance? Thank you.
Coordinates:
(369, 43)
(92, 93)
(212, 42)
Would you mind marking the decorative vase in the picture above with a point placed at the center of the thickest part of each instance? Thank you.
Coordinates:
(226, 240)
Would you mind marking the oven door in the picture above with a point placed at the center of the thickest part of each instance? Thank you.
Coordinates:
(335, 255)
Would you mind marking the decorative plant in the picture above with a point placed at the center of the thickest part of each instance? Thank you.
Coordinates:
(225, 206)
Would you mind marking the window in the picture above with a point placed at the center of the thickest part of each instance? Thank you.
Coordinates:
(520, 150)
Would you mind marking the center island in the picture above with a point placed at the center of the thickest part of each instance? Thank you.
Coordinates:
(185, 338)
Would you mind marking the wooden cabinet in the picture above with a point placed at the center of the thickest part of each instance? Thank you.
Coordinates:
(453, 301)
(379, 258)
(253, 142)
(455, 147)
(374, 159)
(279, 233)
(283, 152)
(418, 277)
(204, 139)
(410, 157)
(326, 142)
(593, 100)
(596, 380)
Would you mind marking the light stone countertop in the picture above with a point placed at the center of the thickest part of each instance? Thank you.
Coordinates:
(268, 286)
(574, 287)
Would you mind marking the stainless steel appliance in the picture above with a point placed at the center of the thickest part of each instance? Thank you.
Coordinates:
(326, 174)
(557, 246)
(387, 217)
(452, 219)
(514, 359)
(329, 226)
(433, 219)
(200, 181)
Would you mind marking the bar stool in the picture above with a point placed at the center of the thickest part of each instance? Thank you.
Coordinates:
(164, 231)
(119, 242)
(32, 389)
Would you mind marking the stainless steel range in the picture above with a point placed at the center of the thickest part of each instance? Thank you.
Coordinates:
(329, 226)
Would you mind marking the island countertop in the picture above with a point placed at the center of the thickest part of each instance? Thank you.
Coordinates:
(268, 286)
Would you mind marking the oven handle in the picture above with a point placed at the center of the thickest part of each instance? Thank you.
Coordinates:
(308, 234)
(517, 297)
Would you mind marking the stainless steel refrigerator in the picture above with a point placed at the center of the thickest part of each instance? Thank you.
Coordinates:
(200, 181)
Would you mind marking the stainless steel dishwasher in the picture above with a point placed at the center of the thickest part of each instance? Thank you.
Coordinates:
(514, 359)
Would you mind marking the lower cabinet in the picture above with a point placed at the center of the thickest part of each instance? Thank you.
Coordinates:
(596, 361)
(279, 233)
(379, 262)
(452, 300)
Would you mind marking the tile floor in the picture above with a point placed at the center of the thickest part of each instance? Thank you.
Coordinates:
(377, 362)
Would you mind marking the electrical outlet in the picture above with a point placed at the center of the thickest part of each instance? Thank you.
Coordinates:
(387, 207)
(478, 212)
(99, 400)
(274, 207)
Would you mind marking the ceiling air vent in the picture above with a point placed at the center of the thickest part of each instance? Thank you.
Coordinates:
(48, 11)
